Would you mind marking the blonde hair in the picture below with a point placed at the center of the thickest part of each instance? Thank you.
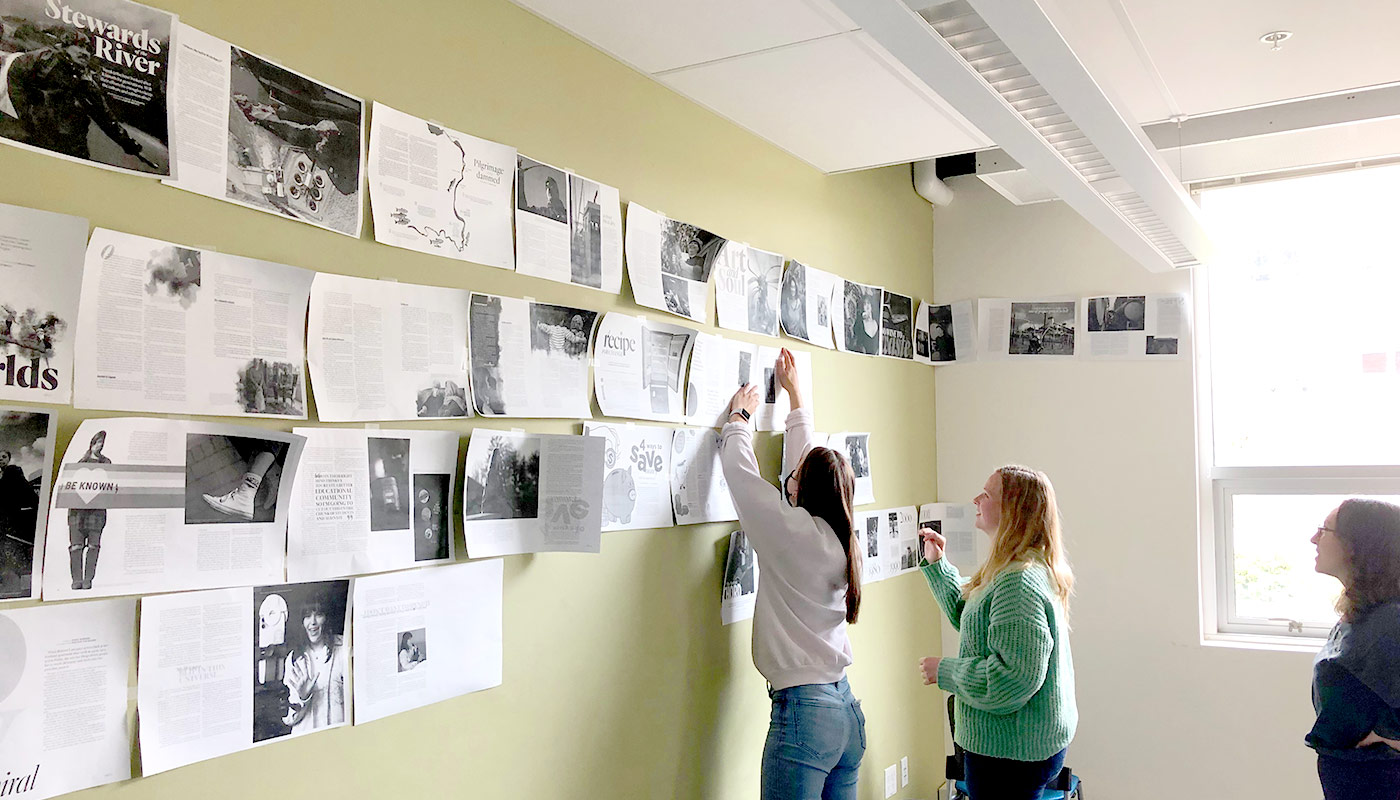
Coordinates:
(1029, 529)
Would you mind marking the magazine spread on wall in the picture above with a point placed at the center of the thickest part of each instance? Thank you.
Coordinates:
(669, 263)
(439, 191)
(529, 359)
(890, 542)
(965, 546)
(944, 333)
(26, 462)
(370, 501)
(897, 326)
(88, 82)
(169, 505)
(64, 672)
(382, 350)
(262, 136)
(856, 312)
(171, 329)
(230, 669)
(739, 587)
(41, 267)
(1144, 327)
(426, 635)
(567, 228)
(639, 367)
(699, 492)
(806, 304)
(637, 480)
(856, 448)
(719, 366)
(748, 282)
(531, 493)
(1026, 329)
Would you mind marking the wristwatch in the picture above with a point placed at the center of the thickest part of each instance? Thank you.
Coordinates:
(741, 412)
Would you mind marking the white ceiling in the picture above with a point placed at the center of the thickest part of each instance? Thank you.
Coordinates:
(795, 73)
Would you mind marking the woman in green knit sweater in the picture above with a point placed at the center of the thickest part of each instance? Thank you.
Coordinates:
(1013, 679)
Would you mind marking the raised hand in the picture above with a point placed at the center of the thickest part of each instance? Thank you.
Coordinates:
(934, 544)
(786, 370)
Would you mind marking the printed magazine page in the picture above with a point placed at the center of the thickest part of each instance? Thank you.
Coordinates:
(265, 137)
(1026, 329)
(739, 588)
(897, 326)
(88, 82)
(807, 304)
(41, 268)
(748, 282)
(530, 359)
(719, 366)
(856, 315)
(639, 367)
(669, 263)
(440, 191)
(567, 228)
(531, 493)
(426, 635)
(966, 546)
(384, 350)
(945, 334)
(856, 448)
(891, 541)
(699, 492)
(146, 505)
(170, 329)
(370, 501)
(64, 671)
(1149, 327)
(26, 462)
(637, 483)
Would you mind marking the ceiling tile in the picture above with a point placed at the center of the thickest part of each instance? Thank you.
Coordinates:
(658, 35)
(834, 103)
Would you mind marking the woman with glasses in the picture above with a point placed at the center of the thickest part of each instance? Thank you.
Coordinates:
(1356, 676)
(808, 591)
(1013, 680)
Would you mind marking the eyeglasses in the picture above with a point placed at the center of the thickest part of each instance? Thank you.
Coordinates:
(790, 487)
(1323, 528)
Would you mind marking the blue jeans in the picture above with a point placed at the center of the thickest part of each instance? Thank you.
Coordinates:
(1359, 780)
(1004, 779)
(815, 743)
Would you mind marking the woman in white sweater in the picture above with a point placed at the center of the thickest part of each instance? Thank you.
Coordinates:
(808, 592)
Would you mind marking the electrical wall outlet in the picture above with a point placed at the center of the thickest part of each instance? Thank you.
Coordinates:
(904, 771)
(891, 781)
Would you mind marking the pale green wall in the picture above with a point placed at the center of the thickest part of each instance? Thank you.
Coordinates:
(619, 680)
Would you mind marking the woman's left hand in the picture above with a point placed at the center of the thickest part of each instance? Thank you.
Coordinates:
(929, 666)
(746, 398)
(1374, 738)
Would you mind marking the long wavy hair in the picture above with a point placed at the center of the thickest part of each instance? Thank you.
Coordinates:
(1369, 531)
(1029, 530)
(825, 486)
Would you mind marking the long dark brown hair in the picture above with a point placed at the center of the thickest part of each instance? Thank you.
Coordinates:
(1369, 531)
(825, 486)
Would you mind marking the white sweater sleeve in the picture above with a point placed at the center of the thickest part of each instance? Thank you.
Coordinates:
(768, 521)
(797, 439)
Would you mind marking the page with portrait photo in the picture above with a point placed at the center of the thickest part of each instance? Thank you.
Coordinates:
(945, 333)
(739, 587)
(806, 304)
(41, 269)
(26, 464)
(529, 359)
(530, 493)
(370, 501)
(384, 350)
(146, 505)
(169, 329)
(669, 263)
(64, 673)
(426, 635)
(856, 315)
(856, 448)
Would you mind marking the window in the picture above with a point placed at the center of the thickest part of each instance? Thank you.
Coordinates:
(1300, 367)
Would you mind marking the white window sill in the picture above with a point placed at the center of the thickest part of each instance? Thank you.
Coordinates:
(1258, 641)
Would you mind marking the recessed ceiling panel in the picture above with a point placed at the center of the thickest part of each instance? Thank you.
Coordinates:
(833, 102)
(658, 35)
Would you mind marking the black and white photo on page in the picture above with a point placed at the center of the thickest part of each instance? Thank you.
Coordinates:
(301, 658)
(167, 328)
(542, 190)
(806, 300)
(640, 366)
(370, 500)
(530, 493)
(748, 283)
(793, 301)
(1133, 327)
(942, 342)
(855, 448)
(26, 462)
(739, 588)
(670, 262)
(146, 505)
(860, 312)
(529, 359)
(440, 191)
(1042, 329)
(64, 673)
(279, 141)
(88, 82)
(944, 333)
(41, 263)
(897, 326)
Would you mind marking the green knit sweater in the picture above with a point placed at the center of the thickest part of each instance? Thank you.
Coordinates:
(1013, 679)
